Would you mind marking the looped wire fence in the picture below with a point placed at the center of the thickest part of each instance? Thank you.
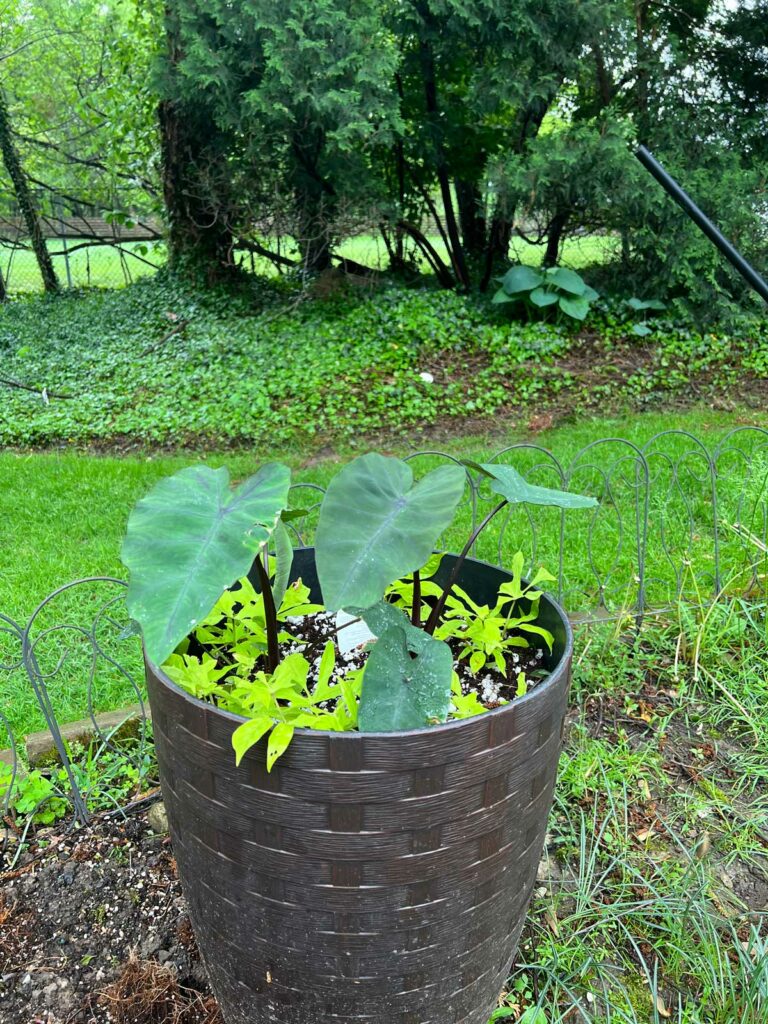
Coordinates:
(677, 520)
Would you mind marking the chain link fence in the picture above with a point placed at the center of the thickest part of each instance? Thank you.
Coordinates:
(89, 246)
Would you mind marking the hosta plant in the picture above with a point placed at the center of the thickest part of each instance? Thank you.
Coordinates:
(193, 543)
(541, 291)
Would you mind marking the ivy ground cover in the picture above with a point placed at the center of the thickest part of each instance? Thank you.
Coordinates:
(159, 364)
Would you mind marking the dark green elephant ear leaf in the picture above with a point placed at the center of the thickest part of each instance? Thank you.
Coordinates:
(376, 524)
(402, 689)
(188, 540)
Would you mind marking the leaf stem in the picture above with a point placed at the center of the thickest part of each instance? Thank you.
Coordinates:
(416, 607)
(270, 617)
(437, 611)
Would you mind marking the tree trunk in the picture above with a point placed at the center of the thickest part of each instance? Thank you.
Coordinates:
(527, 128)
(429, 75)
(554, 237)
(199, 235)
(397, 256)
(471, 217)
(24, 199)
(195, 182)
(315, 199)
(497, 250)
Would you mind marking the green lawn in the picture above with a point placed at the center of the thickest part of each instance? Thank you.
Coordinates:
(576, 252)
(62, 517)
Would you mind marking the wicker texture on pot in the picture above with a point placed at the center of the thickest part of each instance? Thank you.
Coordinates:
(377, 878)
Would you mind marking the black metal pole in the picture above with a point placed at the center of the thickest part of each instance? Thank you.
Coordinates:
(747, 271)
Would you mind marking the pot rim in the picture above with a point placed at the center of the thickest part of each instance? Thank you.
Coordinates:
(353, 735)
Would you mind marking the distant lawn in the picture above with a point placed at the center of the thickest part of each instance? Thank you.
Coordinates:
(577, 253)
(105, 266)
(98, 266)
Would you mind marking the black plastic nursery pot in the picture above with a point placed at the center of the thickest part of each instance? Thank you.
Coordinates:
(370, 877)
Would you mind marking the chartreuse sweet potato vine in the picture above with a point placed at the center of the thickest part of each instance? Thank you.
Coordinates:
(193, 538)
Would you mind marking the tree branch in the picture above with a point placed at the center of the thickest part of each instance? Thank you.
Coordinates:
(44, 393)
(180, 326)
(443, 273)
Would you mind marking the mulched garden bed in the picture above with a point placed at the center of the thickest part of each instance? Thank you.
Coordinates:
(94, 930)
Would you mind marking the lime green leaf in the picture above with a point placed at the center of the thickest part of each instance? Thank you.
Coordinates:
(190, 539)
(533, 1015)
(545, 634)
(501, 1012)
(541, 575)
(248, 735)
(290, 675)
(511, 485)
(279, 739)
(196, 676)
(327, 663)
(476, 662)
(376, 525)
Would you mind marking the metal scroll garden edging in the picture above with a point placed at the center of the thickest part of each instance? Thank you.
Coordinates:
(677, 520)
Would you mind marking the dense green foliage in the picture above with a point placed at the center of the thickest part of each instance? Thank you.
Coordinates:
(77, 74)
(285, 371)
(448, 129)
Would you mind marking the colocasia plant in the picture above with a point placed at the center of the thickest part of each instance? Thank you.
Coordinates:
(194, 543)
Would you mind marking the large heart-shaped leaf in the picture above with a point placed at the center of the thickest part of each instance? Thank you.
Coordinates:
(576, 308)
(376, 525)
(640, 304)
(383, 616)
(567, 280)
(190, 539)
(403, 689)
(542, 297)
(507, 482)
(521, 279)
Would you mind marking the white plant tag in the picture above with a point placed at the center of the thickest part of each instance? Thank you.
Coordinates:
(348, 637)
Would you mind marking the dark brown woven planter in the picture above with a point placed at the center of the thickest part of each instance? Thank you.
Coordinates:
(379, 878)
